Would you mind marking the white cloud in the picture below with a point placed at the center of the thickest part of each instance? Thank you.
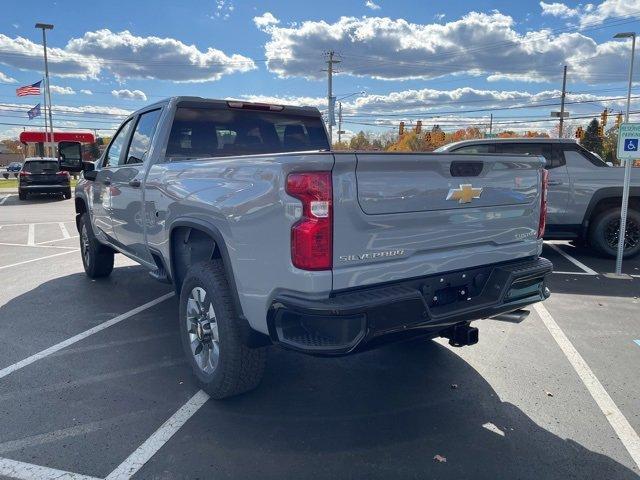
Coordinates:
(129, 94)
(558, 10)
(224, 9)
(86, 92)
(62, 90)
(265, 20)
(4, 78)
(394, 49)
(129, 56)
(439, 16)
(372, 5)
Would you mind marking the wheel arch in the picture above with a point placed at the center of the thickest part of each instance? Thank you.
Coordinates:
(604, 199)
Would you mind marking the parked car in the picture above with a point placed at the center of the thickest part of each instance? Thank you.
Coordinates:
(14, 167)
(585, 193)
(43, 175)
(268, 237)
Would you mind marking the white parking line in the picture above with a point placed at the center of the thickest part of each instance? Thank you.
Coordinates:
(572, 273)
(31, 238)
(38, 259)
(576, 262)
(28, 471)
(76, 338)
(36, 245)
(156, 441)
(56, 240)
(618, 421)
(4, 199)
(63, 229)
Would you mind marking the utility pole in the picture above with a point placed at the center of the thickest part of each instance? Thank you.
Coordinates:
(564, 94)
(330, 98)
(491, 125)
(45, 27)
(339, 122)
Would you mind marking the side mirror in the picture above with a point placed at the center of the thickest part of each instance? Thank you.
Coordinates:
(89, 171)
(70, 156)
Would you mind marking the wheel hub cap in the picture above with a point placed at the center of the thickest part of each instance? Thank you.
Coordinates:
(202, 330)
(631, 237)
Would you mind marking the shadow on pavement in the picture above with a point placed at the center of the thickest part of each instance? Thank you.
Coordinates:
(380, 414)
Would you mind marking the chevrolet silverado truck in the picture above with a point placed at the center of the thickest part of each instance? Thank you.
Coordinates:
(270, 237)
(585, 193)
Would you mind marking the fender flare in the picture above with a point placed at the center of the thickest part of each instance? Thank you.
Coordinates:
(603, 194)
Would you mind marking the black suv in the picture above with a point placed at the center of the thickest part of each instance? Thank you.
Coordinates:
(43, 175)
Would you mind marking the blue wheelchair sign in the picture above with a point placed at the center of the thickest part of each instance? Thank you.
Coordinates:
(631, 145)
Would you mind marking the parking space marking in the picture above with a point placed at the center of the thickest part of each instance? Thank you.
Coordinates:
(56, 240)
(31, 237)
(573, 273)
(35, 245)
(63, 229)
(618, 421)
(4, 199)
(575, 261)
(76, 338)
(38, 259)
(29, 471)
(158, 439)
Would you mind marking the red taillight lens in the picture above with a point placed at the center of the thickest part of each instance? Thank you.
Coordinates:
(63, 172)
(543, 204)
(312, 235)
(24, 174)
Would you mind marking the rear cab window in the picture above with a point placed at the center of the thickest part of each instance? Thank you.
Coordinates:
(549, 151)
(212, 131)
(40, 166)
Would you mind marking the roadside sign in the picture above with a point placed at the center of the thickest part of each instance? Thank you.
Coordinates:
(628, 141)
(560, 114)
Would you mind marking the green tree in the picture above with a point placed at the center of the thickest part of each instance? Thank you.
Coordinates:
(360, 142)
(592, 141)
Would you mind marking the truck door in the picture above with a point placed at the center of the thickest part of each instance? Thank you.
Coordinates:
(128, 212)
(102, 190)
(559, 183)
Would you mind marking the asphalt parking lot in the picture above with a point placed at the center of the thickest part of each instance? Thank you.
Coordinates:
(93, 383)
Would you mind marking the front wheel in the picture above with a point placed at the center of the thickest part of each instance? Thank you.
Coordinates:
(605, 232)
(211, 332)
(97, 259)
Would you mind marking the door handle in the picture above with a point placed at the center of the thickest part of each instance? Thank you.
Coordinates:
(135, 183)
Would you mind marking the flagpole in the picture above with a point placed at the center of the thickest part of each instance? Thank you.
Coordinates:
(46, 130)
(45, 27)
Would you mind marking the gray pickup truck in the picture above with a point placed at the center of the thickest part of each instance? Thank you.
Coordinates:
(585, 193)
(269, 237)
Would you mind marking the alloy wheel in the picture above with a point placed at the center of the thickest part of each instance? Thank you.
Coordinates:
(632, 234)
(202, 330)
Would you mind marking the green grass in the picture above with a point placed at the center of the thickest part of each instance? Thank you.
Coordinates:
(13, 183)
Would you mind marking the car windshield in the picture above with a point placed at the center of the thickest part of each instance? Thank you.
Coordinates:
(41, 167)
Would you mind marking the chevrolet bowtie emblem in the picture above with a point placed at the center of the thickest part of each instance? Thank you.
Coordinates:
(464, 194)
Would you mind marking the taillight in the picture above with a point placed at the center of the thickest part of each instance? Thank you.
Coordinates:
(543, 203)
(312, 235)
(63, 172)
(24, 174)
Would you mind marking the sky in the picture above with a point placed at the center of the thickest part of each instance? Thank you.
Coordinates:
(450, 63)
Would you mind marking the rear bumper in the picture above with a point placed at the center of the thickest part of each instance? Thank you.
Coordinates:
(55, 188)
(362, 318)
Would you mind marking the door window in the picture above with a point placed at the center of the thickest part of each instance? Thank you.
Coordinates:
(142, 136)
(112, 158)
(550, 153)
(480, 148)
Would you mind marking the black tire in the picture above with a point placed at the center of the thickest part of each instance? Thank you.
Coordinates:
(67, 194)
(97, 259)
(22, 195)
(604, 231)
(237, 368)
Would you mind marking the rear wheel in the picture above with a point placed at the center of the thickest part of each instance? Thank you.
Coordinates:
(22, 195)
(67, 194)
(97, 259)
(211, 332)
(605, 232)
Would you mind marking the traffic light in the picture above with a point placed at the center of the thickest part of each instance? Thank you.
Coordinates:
(401, 129)
(427, 137)
(579, 133)
(603, 118)
(439, 136)
(600, 131)
(618, 120)
(419, 126)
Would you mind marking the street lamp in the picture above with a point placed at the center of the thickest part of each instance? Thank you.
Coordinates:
(45, 27)
(627, 167)
(340, 112)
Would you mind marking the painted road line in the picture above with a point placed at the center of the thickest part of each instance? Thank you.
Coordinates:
(575, 261)
(36, 245)
(4, 199)
(28, 471)
(31, 238)
(37, 259)
(618, 421)
(158, 439)
(573, 273)
(56, 240)
(81, 336)
(63, 229)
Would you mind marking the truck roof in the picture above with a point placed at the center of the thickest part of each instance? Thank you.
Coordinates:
(300, 110)
(505, 140)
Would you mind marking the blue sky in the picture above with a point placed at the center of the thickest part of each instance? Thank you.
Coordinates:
(410, 58)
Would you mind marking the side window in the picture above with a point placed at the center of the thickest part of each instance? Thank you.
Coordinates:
(547, 150)
(142, 135)
(480, 148)
(112, 158)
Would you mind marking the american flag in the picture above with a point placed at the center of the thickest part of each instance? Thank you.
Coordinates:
(29, 89)
(34, 112)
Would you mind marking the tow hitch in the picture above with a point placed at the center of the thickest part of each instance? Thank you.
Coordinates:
(461, 335)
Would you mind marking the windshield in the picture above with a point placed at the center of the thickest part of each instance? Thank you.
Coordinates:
(40, 167)
(214, 132)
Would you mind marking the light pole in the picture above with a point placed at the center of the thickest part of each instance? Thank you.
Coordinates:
(45, 27)
(628, 164)
(340, 112)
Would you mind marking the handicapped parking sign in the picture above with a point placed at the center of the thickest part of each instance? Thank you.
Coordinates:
(631, 145)
(629, 141)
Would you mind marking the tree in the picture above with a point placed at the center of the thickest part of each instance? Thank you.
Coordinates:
(592, 141)
(13, 146)
(360, 142)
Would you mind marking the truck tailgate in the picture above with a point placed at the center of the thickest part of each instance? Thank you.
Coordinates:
(401, 216)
